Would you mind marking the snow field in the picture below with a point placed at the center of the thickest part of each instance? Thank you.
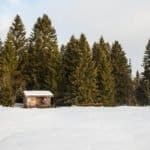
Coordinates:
(75, 128)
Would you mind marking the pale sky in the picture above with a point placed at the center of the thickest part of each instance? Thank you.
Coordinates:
(127, 21)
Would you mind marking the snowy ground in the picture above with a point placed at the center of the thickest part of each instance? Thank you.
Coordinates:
(75, 128)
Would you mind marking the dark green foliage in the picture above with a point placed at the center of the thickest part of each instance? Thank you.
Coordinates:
(12, 53)
(20, 42)
(121, 72)
(140, 90)
(83, 79)
(43, 57)
(70, 60)
(142, 83)
(18, 36)
(1, 61)
(79, 72)
(146, 89)
(9, 65)
(105, 80)
(1, 72)
(76, 75)
(146, 74)
(1, 46)
(131, 96)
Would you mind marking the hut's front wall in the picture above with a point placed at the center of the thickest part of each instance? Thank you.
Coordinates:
(33, 101)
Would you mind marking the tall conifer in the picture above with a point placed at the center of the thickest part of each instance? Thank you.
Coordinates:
(146, 73)
(70, 60)
(139, 90)
(122, 75)
(9, 65)
(43, 57)
(83, 79)
(105, 80)
(19, 40)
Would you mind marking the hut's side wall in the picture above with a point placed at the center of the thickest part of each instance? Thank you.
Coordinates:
(33, 101)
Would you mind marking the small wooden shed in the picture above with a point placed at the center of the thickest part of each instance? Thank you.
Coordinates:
(40, 99)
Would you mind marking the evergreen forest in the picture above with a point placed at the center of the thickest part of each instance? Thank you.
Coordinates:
(76, 72)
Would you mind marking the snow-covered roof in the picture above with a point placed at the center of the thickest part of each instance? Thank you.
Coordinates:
(38, 93)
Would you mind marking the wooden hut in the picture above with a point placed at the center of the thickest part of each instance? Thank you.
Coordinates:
(40, 99)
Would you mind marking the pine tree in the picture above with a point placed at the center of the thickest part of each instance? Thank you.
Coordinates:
(43, 57)
(83, 79)
(121, 72)
(105, 80)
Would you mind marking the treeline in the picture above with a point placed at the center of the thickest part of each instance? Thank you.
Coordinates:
(76, 73)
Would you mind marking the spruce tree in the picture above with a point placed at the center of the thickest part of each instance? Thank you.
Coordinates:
(18, 36)
(1, 57)
(11, 58)
(105, 80)
(83, 78)
(1, 76)
(70, 60)
(19, 40)
(42, 69)
(1, 64)
(121, 72)
(62, 81)
(130, 90)
(9, 65)
(146, 73)
(139, 90)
